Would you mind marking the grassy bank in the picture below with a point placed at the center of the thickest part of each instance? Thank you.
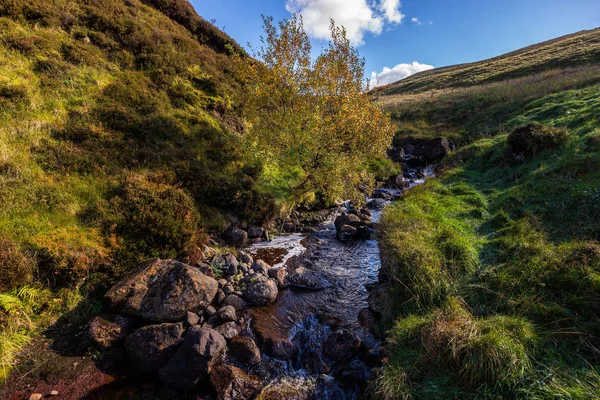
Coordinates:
(495, 266)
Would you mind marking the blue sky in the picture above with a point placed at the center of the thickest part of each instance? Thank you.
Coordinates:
(444, 33)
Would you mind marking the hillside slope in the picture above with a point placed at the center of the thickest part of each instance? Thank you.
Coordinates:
(118, 142)
(495, 266)
(576, 50)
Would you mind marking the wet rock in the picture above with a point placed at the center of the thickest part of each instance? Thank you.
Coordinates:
(354, 373)
(227, 313)
(255, 232)
(246, 258)
(244, 268)
(109, 330)
(193, 358)
(342, 345)
(315, 364)
(386, 194)
(308, 279)
(235, 301)
(229, 330)
(163, 290)
(433, 150)
(377, 204)
(366, 319)
(377, 298)
(232, 383)
(280, 276)
(228, 289)
(346, 232)
(244, 350)
(235, 237)
(228, 264)
(260, 290)
(396, 154)
(150, 347)
(261, 267)
(283, 349)
(346, 219)
(288, 227)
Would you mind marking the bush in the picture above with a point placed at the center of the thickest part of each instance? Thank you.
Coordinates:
(149, 219)
(530, 140)
(16, 266)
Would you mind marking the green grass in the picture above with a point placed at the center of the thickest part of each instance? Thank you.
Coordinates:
(495, 266)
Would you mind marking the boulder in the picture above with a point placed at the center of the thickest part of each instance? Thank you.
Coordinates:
(346, 219)
(433, 150)
(243, 350)
(308, 279)
(236, 301)
(246, 258)
(255, 232)
(342, 345)
(193, 358)
(109, 330)
(232, 383)
(260, 267)
(289, 227)
(235, 237)
(192, 319)
(227, 313)
(377, 298)
(260, 290)
(229, 330)
(377, 204)
(206, 269)
(346, 232)
(163, 290)
(150, 347)
(227, 263)
(280, 275)
(396, 154)
(315, 364)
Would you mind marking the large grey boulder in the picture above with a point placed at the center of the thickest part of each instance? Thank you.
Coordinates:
(193, 358)
(150, 347)
(260, 290)
(163, 291)
(342, 345)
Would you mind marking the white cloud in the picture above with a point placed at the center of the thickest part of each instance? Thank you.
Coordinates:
(357, 16)
(400, 71)
(415, 20)
(391, 10)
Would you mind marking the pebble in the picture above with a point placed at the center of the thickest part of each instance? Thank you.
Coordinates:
(54, 393)
(36, 396)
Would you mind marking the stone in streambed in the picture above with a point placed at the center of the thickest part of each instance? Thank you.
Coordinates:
(163, 290)
(227, 313)
(342, 345)
(260, 290)
(109, 330)
(192, 360)
(307, 279)
(244, 350)
(150, 347)
(232, 383)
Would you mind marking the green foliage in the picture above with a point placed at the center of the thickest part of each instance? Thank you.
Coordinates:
(149, 219)
(517, 316)
(16, 267)
(383, 168)
(311, 118)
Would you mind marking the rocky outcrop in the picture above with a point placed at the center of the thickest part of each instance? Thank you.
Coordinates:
(163, 290)
(342, 345)
(150, 347)
(232, 383)
(260, 290)
(192, 360)
(433, 150)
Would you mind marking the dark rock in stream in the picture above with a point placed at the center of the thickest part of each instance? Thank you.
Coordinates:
(228, 264)
(235, 301)
(377, 204)
(235, 237)
(244, 350)
(432, 150)
(342, 345)
(260, 290)
(163, 290)
(261, 267)
(307, 279)
(232, 383)
(193, 358)
(229, 330)
(280, 275)
(150, 347)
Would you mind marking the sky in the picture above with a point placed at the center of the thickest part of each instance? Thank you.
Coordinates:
(402, 37)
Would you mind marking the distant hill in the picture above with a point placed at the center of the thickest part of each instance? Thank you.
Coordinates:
(575, 50)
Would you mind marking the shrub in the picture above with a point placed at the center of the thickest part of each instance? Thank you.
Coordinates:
(13, 96)
(16, 266)
(150, 219)
(530, 140)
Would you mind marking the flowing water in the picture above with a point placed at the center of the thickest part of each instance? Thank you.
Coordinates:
(306, 318)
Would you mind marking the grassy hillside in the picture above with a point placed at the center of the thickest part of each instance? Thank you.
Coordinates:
(118, 142)
(496, 264)
(576, 50)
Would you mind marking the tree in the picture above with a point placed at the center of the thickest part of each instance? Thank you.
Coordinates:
(310, 122)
